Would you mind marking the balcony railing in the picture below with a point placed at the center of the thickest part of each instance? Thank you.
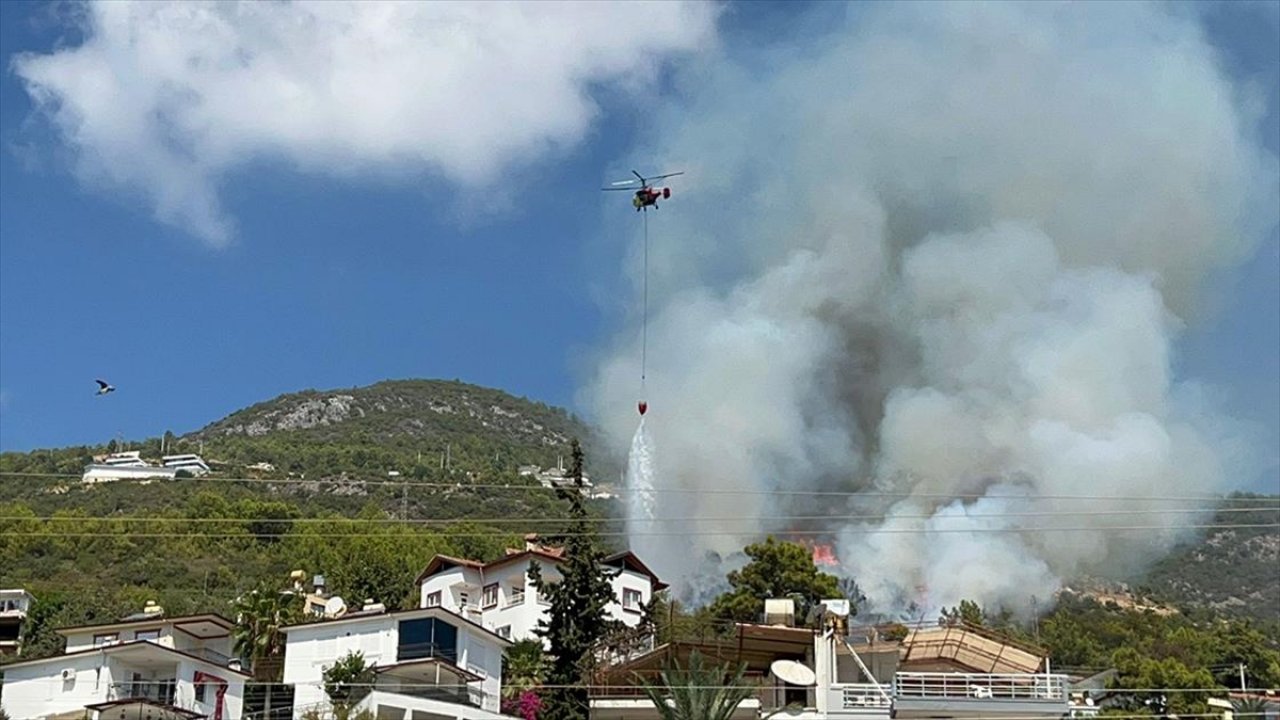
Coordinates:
(161, 691)
(445, 693)
(419, 651)
(514, 599)
(204, 653)
(859, 696)
(956, 686)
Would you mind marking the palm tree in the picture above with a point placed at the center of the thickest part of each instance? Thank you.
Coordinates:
(1249, 708)
(697, 692)
(260, 615)
(524, 665)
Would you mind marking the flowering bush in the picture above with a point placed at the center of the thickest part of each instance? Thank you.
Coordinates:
(526, 705)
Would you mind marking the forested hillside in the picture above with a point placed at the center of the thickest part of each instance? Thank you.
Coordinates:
(424, 429)
(1235, 570)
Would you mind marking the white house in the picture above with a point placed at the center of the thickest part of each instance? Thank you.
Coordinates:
(124, 466)
(190, 462)
(146, 665)
(500, 596)
(428, 663)
(14, 606)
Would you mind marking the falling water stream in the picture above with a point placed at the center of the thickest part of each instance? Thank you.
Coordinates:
(641, 499)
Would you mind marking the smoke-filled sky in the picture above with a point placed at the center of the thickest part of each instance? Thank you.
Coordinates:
(950, 255)
(945, 250)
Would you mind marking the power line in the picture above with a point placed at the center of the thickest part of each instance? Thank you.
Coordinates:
(681, 533)
(542, 519)
(1269, 501)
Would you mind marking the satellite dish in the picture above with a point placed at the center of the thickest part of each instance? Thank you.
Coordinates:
(793, 673)
(334, 606)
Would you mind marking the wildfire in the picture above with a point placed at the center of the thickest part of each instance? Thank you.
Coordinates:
(824, 555)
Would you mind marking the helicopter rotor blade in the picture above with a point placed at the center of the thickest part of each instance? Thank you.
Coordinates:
(642, 180)
(659, 177)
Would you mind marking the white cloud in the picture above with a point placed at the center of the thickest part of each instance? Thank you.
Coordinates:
(166, 98)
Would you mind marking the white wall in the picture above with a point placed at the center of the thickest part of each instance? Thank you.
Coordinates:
(35, 690)
(519, 615)
(310, 648)
(185, 693)
(523, 617)
(631, 580)
(32, 691)
(169, 637)
(448, 583)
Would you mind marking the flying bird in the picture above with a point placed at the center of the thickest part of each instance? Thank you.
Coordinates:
(104, 387)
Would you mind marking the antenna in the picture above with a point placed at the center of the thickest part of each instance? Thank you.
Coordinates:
(794, 673)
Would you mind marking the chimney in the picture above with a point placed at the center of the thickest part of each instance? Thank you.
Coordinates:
(317, 584)
(297, 576)
(151, 608)
(531, 541)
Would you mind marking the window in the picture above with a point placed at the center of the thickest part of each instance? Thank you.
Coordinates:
(427, 638)
(515, 595)
(490, 598)
(152, 635)
(433, 599)
(631, 599)
(504, 631)
(106, 639)
(200, 691)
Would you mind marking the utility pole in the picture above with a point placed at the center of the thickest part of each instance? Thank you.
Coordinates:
(1243, 687)
(404, 502)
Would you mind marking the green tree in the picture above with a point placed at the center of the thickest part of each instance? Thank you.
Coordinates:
(701, 691)
(778, 569)
(258, 638)
(576, 620)
(524, 664)
(347, 682)
(1187, 686)
(967, 612)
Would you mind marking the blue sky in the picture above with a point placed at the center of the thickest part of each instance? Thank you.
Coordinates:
(335, 278)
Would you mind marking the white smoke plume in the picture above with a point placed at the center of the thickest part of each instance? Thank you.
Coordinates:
(946, 252)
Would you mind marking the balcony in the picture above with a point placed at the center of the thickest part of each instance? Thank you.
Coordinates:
(514, 599)
(420, 651)
(212, 656)
(918, 695)
(161, 691)
(859, 699)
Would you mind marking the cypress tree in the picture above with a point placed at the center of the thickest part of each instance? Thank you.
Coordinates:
(576, 621)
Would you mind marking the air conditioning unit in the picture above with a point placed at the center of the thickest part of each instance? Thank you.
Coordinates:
(68, 674)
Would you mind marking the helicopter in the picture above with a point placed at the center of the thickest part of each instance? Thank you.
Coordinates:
(646, 196)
